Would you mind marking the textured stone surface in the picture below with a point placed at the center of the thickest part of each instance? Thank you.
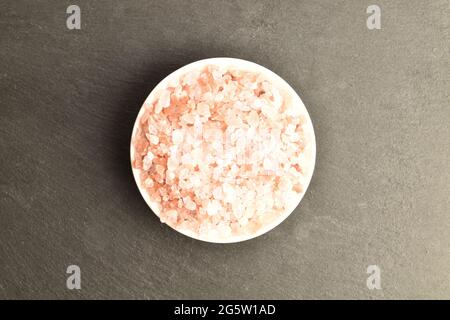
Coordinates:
(379, 101)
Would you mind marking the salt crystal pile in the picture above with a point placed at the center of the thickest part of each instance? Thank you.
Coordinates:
(218, 152)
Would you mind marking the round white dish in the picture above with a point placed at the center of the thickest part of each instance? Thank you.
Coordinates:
(309, 152)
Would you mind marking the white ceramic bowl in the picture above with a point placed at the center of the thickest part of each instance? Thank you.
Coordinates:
(309, 153)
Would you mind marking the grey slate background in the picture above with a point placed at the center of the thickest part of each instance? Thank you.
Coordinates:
(379, 101)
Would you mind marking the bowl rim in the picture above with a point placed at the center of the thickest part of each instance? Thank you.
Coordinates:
(248, 66)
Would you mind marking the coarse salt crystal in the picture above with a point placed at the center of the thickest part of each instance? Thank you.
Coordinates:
(153, 139)
(148, 159)
(177, 136)
(213, 207)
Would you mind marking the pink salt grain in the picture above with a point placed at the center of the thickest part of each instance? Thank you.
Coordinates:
(218, 152)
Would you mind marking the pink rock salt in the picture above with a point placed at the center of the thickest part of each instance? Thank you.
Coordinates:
(218, 150)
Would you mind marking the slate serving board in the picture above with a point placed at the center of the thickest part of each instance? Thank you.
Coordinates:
(379, 101)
